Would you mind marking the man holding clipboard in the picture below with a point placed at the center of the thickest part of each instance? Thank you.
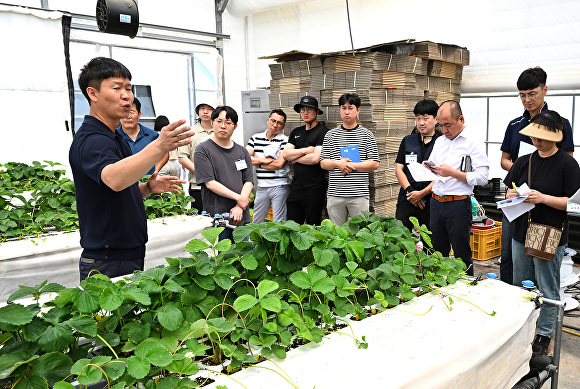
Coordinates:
(349, 152)
(414, 196)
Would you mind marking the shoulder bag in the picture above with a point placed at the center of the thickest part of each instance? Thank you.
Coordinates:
(541, 240)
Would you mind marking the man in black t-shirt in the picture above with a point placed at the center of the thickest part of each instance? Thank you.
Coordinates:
(414, 197)
(308, 187)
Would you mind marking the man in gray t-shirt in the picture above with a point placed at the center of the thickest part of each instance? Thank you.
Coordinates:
(224, 170)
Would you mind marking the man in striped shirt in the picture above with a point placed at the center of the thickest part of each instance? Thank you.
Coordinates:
(348, 179)
(272, 171)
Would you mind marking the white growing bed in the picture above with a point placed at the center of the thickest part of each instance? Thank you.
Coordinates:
(55, 257)
(462, 348)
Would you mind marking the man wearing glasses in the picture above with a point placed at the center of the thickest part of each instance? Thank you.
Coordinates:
(308, 187)
(223, 169)
(532, 90)
(272, 172)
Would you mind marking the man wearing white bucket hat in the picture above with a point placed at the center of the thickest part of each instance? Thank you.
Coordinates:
(203, 131)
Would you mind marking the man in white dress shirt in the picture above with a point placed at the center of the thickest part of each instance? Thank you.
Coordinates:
(465, 165)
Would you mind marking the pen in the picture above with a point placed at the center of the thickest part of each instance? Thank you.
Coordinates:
(516, 189)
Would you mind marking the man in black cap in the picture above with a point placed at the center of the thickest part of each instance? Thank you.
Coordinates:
(308, 187)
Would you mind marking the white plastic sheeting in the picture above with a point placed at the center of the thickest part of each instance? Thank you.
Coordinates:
(56, 258)
(249, 7)
(34, 101)
(504, 37)
(420, 344)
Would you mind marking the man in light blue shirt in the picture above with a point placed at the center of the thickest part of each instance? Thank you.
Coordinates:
(136, 134)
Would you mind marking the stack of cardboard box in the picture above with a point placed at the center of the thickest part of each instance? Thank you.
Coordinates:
(290, 81)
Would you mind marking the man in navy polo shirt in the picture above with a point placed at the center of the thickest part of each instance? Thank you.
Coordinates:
(136, 134)
(112, 220)
(532, 90)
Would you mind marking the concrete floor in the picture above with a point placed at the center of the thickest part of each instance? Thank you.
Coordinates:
(569, 377)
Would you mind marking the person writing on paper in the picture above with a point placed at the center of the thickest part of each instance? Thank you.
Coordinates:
(348, 181)
(553, 177)
(414, 196)
(457, 157)
(532, 89)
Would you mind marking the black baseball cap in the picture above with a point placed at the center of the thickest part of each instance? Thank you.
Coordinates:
(308, 101)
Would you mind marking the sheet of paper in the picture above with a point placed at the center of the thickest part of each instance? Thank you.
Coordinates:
(573, 204)
(510, 202)
(575, 198)
(515, 207)
(526, 148)
(421, 173)
(516, 211)
(523, 189)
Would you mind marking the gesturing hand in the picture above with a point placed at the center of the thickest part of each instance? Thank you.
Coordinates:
(172, 136)
(164, 184)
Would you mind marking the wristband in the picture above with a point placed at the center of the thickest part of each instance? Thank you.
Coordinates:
(409, 189)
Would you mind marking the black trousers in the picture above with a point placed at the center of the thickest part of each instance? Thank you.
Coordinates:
(506, 268)
(306, 205)
(451, 226)
(406, 210)
(111, 269)
(196, 203)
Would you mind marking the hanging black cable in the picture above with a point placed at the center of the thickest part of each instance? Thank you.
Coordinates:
(66, 25)
(349, 28)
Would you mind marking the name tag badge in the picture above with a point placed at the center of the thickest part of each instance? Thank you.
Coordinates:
(241, 164)
(411, 158)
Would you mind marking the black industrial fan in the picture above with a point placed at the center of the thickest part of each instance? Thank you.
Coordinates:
(118, 17)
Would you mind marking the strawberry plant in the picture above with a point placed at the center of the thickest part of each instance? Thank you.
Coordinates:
(227, 304)
(37, 199)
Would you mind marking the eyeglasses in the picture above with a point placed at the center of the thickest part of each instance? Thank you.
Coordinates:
(219, 122)
(274, 121)
(531, 95)
(306, 109)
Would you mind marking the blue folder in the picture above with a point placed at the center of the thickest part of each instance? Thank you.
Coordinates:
(350, 152)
